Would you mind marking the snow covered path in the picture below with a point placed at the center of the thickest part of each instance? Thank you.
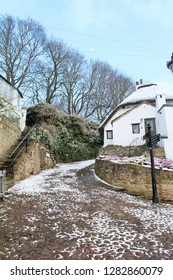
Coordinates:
(67, 213)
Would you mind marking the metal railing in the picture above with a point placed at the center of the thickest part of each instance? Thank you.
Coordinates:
(138, 141)
(19, 148)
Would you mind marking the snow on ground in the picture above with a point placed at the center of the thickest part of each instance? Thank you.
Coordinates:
(91, 221)
(35, 183)
(164, 164)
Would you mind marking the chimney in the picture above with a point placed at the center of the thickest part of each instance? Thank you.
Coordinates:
(141, 81)
(137, 85)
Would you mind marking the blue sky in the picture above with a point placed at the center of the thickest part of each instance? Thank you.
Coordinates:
(133, 36)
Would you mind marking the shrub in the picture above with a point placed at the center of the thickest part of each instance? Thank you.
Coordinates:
(68, 138)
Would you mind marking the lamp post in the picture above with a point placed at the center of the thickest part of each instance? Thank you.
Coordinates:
(170, 64)
(153, 175)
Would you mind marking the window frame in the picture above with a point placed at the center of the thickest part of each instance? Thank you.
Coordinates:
(109, 132)
(136, 129)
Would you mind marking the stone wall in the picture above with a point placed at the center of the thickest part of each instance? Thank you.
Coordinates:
(136, 179)
(130, 151)
(9, 134)
(36, 159)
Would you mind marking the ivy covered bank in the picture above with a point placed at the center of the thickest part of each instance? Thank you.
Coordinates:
(67, 137)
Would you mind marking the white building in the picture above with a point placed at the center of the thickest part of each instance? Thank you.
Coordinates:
(127, 124)
(11, 103)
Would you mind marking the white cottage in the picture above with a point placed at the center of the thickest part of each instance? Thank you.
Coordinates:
(127, 124)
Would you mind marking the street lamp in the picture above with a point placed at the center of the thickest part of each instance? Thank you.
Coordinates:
(170, 64)
(153, 174)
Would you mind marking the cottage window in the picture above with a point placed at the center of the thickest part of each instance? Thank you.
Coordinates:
(135, 128)
(109, 134)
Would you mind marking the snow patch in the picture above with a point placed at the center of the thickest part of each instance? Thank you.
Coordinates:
(36, 184)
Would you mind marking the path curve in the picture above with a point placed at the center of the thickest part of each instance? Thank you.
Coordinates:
(67, 213)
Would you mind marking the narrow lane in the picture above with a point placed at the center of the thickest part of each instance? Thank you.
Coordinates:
(67, 213)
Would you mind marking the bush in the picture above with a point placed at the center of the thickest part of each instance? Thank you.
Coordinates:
(68, 138)
(42, 112)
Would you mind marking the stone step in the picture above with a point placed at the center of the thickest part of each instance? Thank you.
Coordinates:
(5, 161)
(11, 151)
(4, 167)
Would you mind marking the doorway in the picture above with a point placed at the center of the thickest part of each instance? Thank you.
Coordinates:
(152, 124)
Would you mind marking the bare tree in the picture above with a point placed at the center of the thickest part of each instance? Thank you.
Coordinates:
(46, 70)
(109, 88)
(21, 43)
(73, 86)
(46, 84)
(92, 89)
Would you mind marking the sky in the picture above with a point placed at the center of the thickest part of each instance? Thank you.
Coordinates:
(134, 37)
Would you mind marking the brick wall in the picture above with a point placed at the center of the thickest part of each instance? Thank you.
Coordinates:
(136, 179)
(9, 134)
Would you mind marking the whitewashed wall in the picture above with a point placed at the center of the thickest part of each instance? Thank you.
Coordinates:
(122, 127)
(167, 113)
(12, 104)
(162, 112)
(109, 126)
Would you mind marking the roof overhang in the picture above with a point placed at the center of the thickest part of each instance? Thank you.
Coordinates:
(137, 105)
(102, 125)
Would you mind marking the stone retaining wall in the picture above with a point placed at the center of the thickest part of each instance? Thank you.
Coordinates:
(136, 179)
(36, 159)
(9, 134)
(130, 151)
